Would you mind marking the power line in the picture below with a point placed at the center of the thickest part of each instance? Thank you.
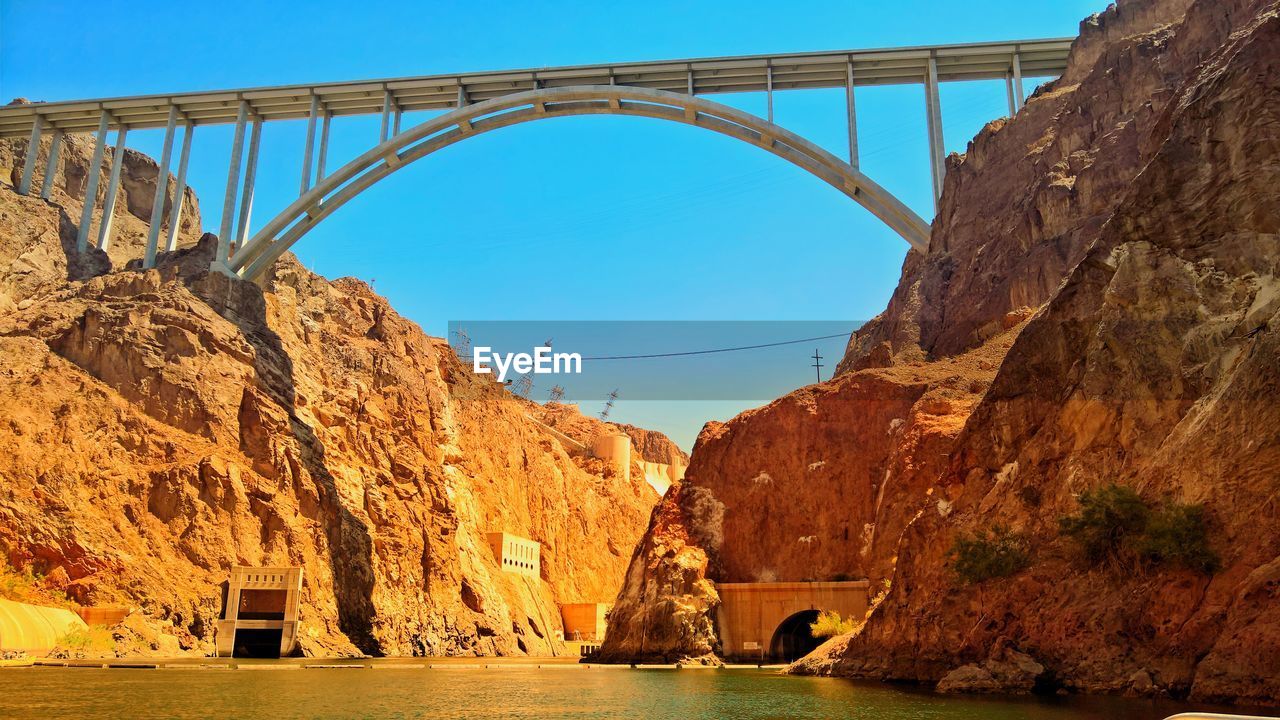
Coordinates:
(718, 350)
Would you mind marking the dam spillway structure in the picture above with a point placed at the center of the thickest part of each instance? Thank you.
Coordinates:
(260, 612)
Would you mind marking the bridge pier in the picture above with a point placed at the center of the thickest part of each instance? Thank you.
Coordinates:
(51, 167)
(324, 144)
(33, 151)
(180, 189)
(933, 117)
(233, 185)
(113, 189)
(768, 89)
(1016, 71)
(851, 114)
(250, 177)
(91, 187)
(387, 104)
(308, 150)
(162, 189)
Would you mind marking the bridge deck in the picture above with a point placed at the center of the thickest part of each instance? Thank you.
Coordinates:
(745, 73)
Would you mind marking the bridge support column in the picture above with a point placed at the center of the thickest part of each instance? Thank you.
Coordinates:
(851, 111)
(933, 119)
(308, 150)
(250, 177)
(51, 168)
(768, 89)
(180, 189)
(229, 198)
(324, 145)
(162, 189)
(387, 104)
(1017, 82)
(91, 187)
(113, 188)
(33, 154)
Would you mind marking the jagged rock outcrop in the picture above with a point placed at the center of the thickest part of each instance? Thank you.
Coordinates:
(1131, 207)
(161, 426)
(37, 252)
(809, 487)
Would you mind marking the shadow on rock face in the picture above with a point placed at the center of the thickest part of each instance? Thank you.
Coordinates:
(350, 544)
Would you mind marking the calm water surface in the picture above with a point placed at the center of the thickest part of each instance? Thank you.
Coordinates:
(288, 691)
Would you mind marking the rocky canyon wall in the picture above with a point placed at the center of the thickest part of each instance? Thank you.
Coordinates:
(1098, 306)
(162, 426)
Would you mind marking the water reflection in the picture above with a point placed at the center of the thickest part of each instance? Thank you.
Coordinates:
(286, 690)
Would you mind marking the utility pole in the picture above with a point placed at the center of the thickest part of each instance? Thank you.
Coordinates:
(608, 405)
(817, 363)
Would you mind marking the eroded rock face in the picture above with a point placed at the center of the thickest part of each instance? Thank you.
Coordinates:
(664, 613)
(817, 485)
(1132, 207)
(38, 238)
(161, 426)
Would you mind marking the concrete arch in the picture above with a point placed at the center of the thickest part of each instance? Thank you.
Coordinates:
(278, 235)
(793, 639)
(751, 615)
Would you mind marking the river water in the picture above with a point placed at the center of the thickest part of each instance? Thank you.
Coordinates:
(286, 690)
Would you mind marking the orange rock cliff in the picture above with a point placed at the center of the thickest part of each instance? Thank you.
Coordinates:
(162, 426)
(1098, 306)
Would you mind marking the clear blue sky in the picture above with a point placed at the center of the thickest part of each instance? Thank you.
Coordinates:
(594, 218)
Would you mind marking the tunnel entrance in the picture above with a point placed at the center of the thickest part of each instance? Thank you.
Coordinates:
(793, 640)
(258, 643)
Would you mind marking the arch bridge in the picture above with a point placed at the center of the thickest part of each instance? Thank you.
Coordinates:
(476, 103)
(770, 621)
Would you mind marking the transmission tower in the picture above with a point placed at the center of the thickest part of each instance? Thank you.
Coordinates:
(608, 405)
(524, 385)
(462, 343)
(557, 394)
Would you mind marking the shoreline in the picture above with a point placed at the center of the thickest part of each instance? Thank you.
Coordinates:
(396, 663)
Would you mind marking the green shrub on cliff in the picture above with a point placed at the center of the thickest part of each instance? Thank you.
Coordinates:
(989, 553)
(1177, 535)
(1116, 527)
(830, 624)
(1106, 529)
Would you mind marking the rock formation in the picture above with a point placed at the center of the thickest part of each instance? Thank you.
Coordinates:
(161, 426)
(1099, 305)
